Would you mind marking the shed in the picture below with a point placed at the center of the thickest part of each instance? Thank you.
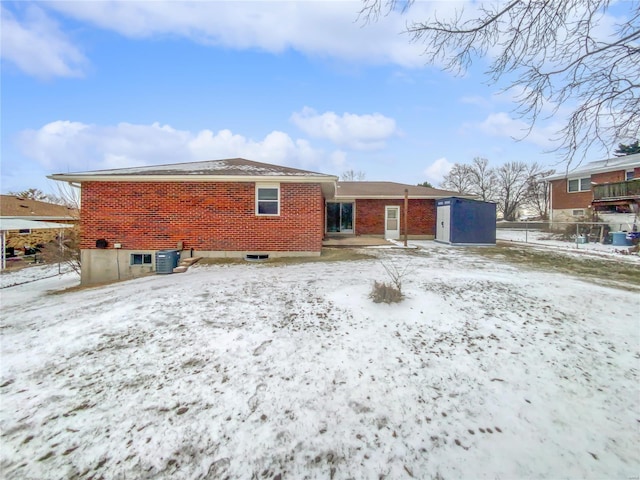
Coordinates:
(462, 221)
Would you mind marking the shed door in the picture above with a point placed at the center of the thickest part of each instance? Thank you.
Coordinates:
(443, 215)
(392, 222)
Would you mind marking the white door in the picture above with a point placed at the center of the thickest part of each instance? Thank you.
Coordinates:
(392, 222)
(443, 219)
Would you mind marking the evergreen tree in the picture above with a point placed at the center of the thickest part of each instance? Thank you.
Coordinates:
(630, 149)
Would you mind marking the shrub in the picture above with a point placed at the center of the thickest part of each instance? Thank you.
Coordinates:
(383, 292)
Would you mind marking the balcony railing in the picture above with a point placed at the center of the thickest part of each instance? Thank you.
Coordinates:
(617, 190)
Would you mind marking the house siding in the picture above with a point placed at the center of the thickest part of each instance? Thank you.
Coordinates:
(563, 199)
(609, 177)
(204, 216)
(370, 216)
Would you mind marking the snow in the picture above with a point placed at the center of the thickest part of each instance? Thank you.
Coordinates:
(485, 370)
(546, 240)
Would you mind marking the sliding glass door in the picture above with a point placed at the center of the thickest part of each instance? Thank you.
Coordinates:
(339, 217)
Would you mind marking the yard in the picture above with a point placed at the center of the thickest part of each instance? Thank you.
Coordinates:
(491, 367)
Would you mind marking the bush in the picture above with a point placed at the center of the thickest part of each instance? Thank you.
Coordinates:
(383, 292)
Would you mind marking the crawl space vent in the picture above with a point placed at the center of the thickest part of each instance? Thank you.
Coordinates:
(256, 257)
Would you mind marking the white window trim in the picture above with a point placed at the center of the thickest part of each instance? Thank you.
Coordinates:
(579, 179)
(267, 185)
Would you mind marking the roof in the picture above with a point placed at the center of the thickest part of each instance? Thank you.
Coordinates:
(600, 166)
(7, 224)
(12, 206)
(390, 190)
(237, 169)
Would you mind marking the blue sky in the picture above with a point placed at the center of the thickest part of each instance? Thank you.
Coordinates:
(94, 85)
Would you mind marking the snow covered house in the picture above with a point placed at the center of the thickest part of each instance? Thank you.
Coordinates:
(232, 208)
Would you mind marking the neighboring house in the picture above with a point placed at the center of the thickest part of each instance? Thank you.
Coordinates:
(26, 223)
(231, 208)
(28, 209)
(608, 188)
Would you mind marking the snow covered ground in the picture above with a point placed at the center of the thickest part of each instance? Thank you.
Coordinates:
(486, 370)
(539, 238)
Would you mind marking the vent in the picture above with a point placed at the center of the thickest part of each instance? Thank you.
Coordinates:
(101, 243)
(256, 257)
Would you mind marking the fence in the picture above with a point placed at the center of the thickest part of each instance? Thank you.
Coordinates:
(576, 233)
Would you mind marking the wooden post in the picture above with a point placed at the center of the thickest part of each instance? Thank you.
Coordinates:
(406, 214)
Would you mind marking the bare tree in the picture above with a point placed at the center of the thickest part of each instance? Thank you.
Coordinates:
(353, 176)
(484, 179)
(67, 249)
(475, 179)
(552, 54)
(32, 194)
(458, 179)
(537, 193)
(512, 185)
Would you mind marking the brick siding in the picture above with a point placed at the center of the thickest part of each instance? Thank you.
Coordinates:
(562, 199)
(205, 216)
(609, 177)
(370, 216)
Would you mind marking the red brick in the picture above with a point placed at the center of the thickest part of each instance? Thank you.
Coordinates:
(214, 216)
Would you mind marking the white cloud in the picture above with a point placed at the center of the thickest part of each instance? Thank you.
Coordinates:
(437, 170)
(37, 46)
(64, 146)
(501, 124)
(476, 100)
(327, 29)
(359, 132)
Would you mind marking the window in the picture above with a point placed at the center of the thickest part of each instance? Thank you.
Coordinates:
(629, 175)
(578, 213)
(140, 259)
(267, 199)
(579, 184)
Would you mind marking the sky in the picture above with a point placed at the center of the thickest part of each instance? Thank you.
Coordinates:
(95, 85)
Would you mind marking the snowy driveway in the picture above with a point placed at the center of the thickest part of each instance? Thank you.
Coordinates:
(257, 371)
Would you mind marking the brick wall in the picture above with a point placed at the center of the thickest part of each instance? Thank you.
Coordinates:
(204, 216)
(370, 216)
(609, 177)
(562, 199)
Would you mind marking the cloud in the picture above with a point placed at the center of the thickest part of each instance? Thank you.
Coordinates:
(437, 170)
(64, 146)
(37, 46)
(325, 29)
(359, 132)
(475, 100)
(501, 124)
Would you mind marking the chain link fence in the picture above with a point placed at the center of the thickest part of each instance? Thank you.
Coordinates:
(620, 234)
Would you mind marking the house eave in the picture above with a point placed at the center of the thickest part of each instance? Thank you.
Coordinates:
(193, 178)
(397, 197)
(590, 171)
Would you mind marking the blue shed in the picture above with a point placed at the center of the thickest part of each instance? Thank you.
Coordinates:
(462, 221)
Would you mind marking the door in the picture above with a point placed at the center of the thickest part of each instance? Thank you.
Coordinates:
(443, 220)
(339, 217)
(392, 222)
